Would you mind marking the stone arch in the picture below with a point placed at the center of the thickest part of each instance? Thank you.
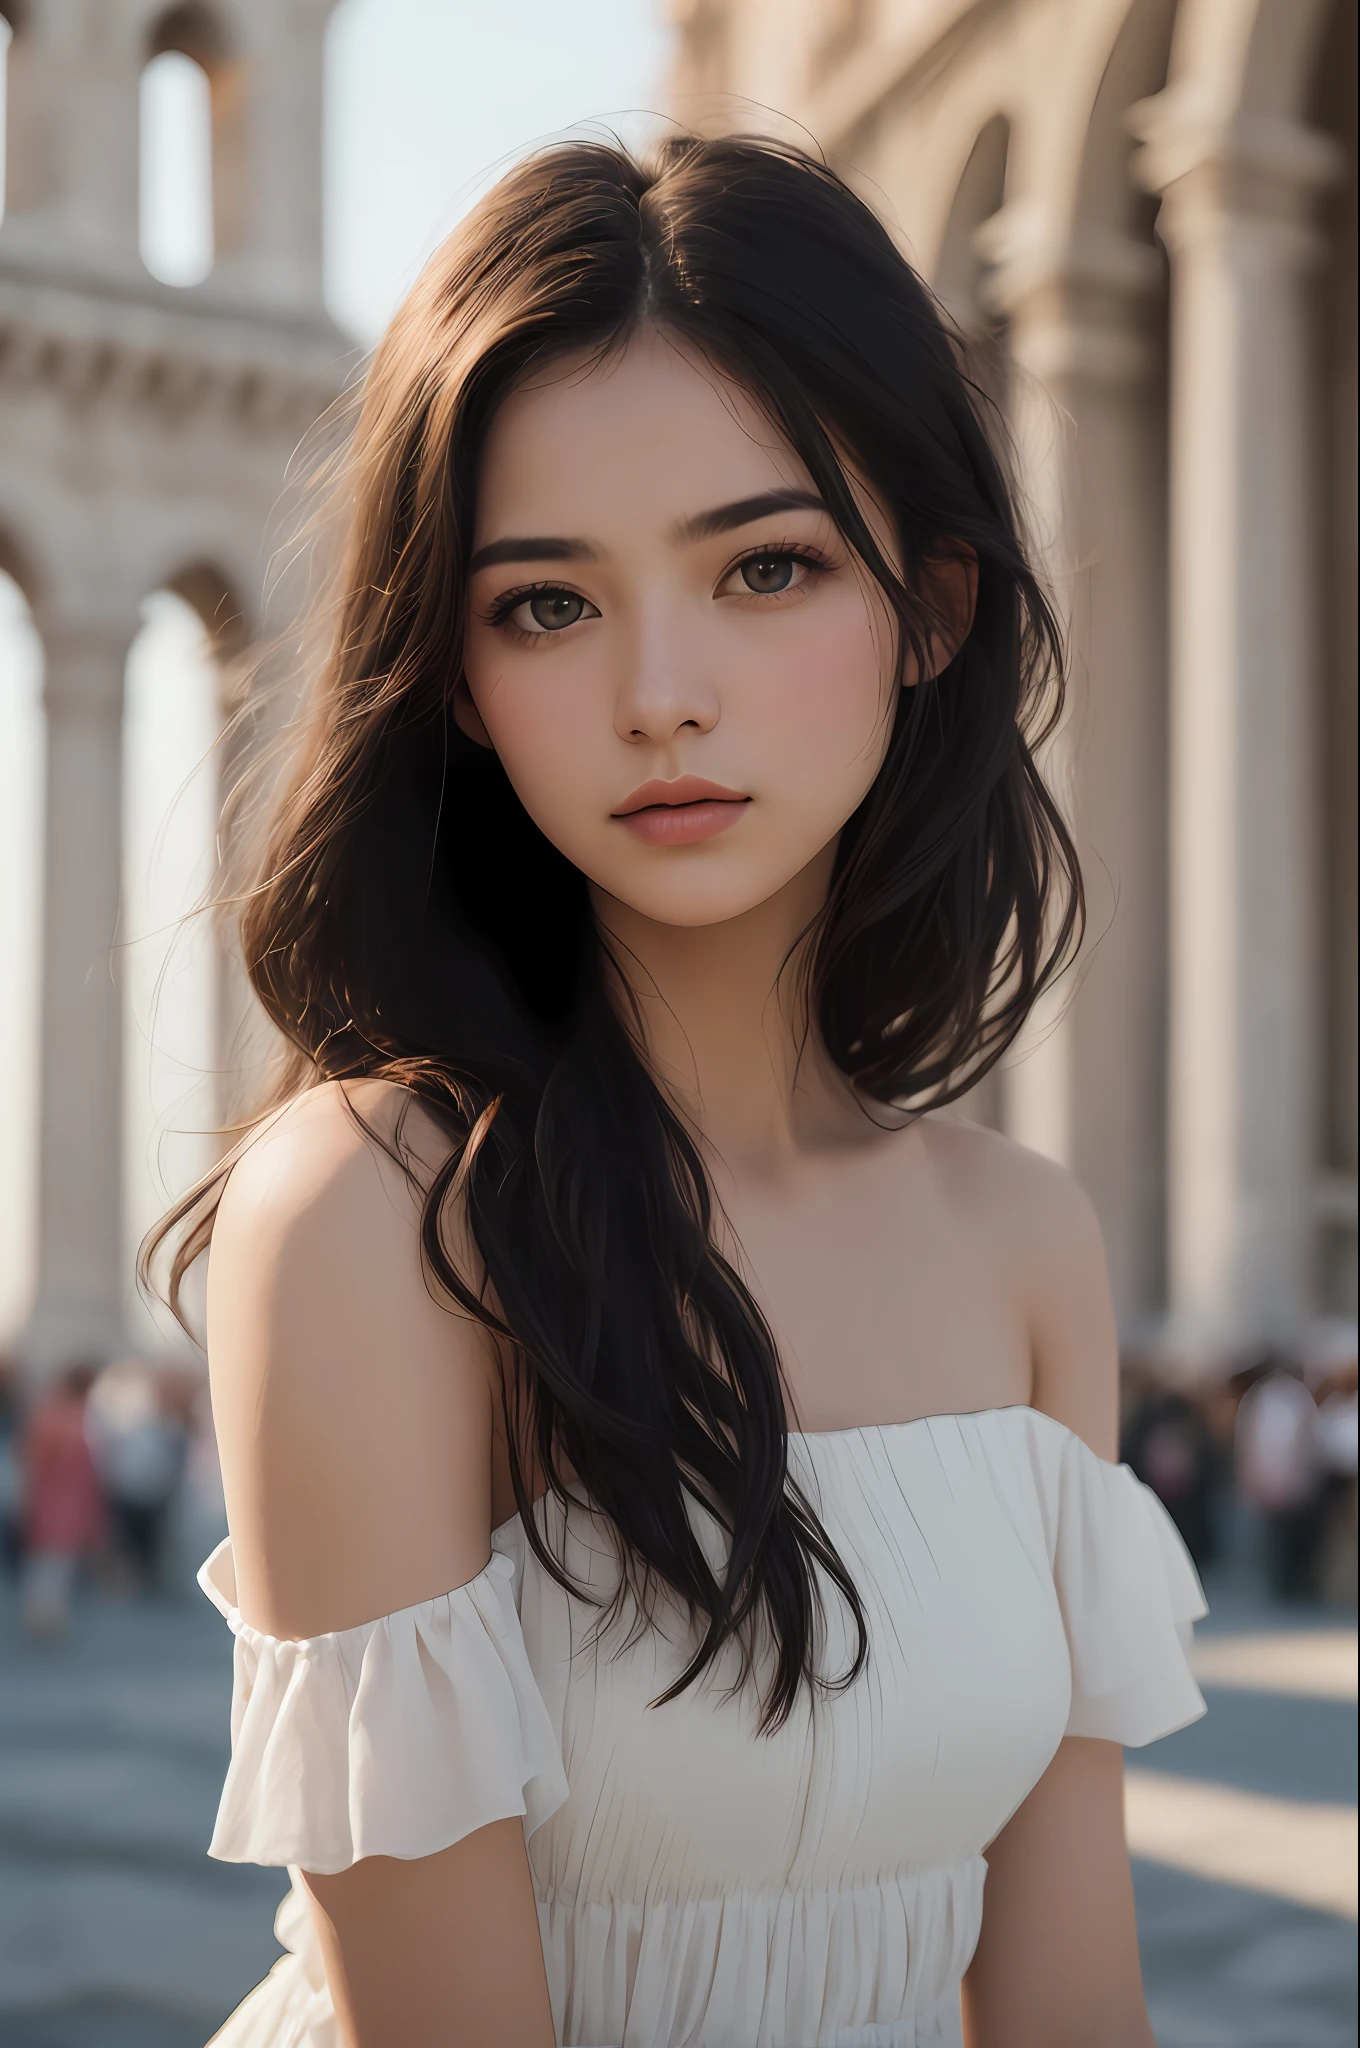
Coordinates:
(213, 592)
(1106, 197)
(210, 585)
(194, 30)
(135, 478)
(960, 267)
(202, 584)
(166, 961)
(197, 31)
(18, 562)
(1236, 61)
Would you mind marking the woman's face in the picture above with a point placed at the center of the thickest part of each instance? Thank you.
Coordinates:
(686, 674)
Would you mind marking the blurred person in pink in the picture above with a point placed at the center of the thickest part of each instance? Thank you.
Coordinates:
(11, 1478)
(63, 1506)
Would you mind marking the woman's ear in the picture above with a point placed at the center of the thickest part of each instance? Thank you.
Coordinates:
(950, 590)
(468, 718)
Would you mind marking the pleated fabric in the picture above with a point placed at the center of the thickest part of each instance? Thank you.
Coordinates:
(700, 1885)
(393, 1739)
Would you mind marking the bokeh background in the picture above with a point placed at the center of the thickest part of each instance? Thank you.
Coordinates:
(1140, 215)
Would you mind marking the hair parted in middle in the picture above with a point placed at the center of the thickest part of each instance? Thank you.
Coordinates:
(410, 921)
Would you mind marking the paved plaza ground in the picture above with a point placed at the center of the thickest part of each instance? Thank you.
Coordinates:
(117, 1932)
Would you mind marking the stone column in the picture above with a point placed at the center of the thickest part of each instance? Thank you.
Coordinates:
(1087, 1084)
(1237, 195)
(275, 254)
(81, 1279)
(72, 196)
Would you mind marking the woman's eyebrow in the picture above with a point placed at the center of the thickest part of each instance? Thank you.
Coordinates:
(743, 511)
(540, 548)
(700, 526)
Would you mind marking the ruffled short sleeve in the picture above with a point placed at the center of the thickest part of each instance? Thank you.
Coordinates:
(1129, 1596)
(397, 1738)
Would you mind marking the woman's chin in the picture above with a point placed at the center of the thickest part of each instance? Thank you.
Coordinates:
(688, 901)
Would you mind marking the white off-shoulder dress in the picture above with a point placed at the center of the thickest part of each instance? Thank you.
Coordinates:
(699, 1885)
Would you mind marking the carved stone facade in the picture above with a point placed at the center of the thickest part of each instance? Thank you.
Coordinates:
(146, 433)
(1143, 212)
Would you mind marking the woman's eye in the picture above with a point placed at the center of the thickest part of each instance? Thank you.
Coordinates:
(549, 611)
(768, 574)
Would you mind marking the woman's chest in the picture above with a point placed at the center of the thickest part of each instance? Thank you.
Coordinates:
(883, 1313)
(914, 1765)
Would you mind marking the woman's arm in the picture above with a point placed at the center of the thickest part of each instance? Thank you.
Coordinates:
(354, 1414)
(439, 1953)
(1057, 1962)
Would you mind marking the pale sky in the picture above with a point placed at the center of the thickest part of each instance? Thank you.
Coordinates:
(426, 100)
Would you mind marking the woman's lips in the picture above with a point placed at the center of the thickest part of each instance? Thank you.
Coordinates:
(680, 813)
(683, 824)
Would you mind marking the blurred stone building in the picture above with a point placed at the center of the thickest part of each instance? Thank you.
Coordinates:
(145, 431)
(1142, 212)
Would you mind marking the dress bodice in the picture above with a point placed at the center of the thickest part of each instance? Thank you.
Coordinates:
(701, 1885)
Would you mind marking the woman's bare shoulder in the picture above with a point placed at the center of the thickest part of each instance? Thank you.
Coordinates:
(1033, 1217)
(332, 1145)
(353, 1401)
(1001, 1180)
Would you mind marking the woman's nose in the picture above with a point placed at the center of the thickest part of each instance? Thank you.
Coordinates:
(666, 688)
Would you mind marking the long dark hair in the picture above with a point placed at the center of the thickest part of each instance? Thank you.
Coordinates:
(409, 920)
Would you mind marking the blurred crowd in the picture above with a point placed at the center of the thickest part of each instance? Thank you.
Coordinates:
(109, 1476)
(106, 1475)
(1259, 1456)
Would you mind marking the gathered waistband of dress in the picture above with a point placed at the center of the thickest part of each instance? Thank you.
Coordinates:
(908, 1877)
(875, 1965)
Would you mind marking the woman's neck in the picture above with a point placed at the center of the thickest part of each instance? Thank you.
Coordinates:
(724, 1019)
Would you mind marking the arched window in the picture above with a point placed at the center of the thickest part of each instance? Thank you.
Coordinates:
(167, 959)
(176, 170)
(22, 736)
(190, 147)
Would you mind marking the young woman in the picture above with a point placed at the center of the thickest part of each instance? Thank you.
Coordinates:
(675, 1558)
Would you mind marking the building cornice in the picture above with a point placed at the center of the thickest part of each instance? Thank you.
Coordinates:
(173, 354)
